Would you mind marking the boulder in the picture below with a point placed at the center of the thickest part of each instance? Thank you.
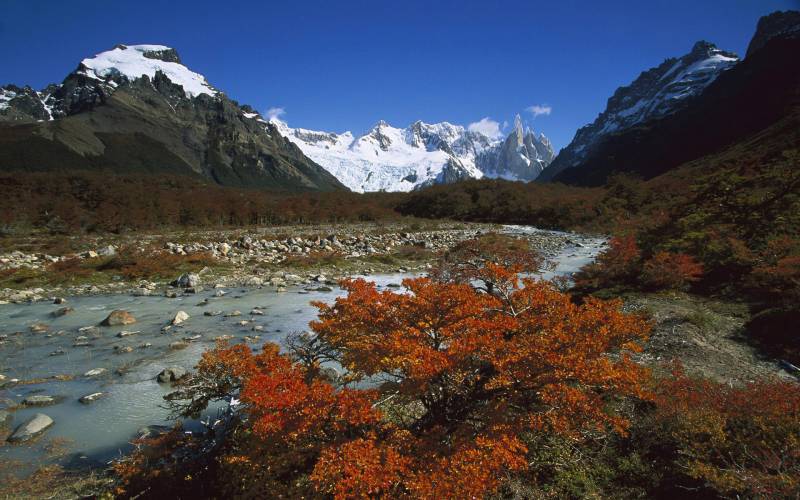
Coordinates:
(254, 281)
(63, 311)
(180, 317)
(39, 328)
(32, 428)
(172, 374)
(119, 317)
(5, 419)
(187, 280)
(91, 398)
(39, 400)
(107, 251)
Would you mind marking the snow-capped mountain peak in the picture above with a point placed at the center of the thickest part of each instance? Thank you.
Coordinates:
(136, 61)
(655, 93)
(388, 158)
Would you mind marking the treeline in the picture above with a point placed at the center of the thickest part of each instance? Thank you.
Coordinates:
(95, 202)
(551, 206)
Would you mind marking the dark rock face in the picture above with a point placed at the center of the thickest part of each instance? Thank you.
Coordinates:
(776, 25)
(656, 93)
(148, 125)
(763, 88)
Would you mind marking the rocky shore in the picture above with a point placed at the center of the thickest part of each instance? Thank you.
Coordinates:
(277, 259)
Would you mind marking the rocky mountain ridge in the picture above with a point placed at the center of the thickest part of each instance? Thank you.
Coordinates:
(388, 158)
(139, 109)
(655, 93)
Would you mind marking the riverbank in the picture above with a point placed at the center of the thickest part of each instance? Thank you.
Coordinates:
(276, 256)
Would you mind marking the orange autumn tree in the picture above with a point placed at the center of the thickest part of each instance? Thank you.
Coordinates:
(457, 377)
(475, 261)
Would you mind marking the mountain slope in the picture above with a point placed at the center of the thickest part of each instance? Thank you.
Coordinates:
(393, 159)
(753, 95)
(138, 109)
(657, 92)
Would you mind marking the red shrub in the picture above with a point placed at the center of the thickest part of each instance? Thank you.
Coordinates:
(671, 271)
(743, 442)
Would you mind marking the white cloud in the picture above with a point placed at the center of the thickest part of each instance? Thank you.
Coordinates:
(539, 109)
(275, 113)
(487, 127)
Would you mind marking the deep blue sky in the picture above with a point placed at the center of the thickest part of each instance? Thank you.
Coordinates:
(338, 65)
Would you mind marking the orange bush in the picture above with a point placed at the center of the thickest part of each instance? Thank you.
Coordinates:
(469, 372)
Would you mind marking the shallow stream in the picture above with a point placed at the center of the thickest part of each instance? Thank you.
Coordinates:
(99, 431)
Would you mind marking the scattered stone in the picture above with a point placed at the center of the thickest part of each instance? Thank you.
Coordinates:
(244, 322)
(126, 333)
(171, 295)
(119, 318)
(62, 312)
(145, 345)
(194, 289)
(91, 398)
(192, 338)
(172, 374)
(59, 300)
(39, 400)
(280, 289)
(39, 328)
(187, 280)
(233, 314)
(180, 317)
(94, 372)
(324, 289)
(107, 251)
(58, 352)
(175, 346)
(141, 292)
(5, 419)
(223, 337)
(393, 285)
(220, 293)
(212, 313)
(256, 312)
(123, 350)
(35, 426)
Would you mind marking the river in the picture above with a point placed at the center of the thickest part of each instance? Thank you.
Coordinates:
(73, 344)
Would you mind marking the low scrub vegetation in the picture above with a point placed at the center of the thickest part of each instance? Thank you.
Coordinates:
(477, 384)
